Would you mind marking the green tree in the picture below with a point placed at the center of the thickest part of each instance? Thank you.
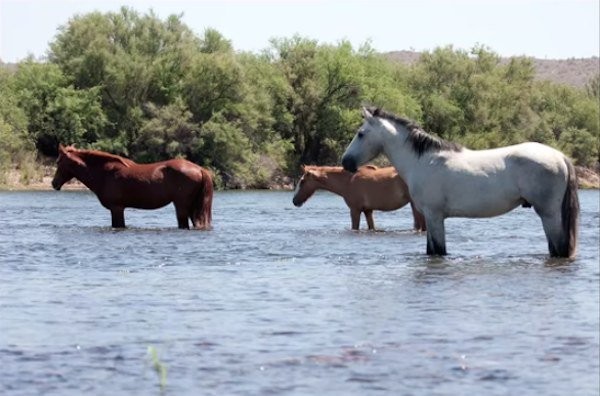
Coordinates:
(326, 86)
(168, 132)
(466, 95)
(56, 111)
(15, 145)
(134, 60)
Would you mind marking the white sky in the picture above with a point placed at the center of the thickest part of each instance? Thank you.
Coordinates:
(540, 28)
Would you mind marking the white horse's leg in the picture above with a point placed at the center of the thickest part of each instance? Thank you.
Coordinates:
(436, 235)
(549, 210)
(554, 234)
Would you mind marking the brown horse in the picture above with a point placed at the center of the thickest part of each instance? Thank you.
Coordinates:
(370, 188)
(120, 183)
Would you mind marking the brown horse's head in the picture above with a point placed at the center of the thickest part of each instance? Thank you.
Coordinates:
(67, 160)
(307, 185)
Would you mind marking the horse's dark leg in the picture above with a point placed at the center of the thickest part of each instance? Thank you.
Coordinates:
(436, 236)
(418, 219)
(355, 217)
(118, 217)
(182, 217)
(370, 222)
(554, 235)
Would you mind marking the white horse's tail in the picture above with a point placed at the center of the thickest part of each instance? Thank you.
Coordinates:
(569, 214)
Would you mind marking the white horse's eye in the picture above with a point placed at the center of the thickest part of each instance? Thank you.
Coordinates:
(360, 135)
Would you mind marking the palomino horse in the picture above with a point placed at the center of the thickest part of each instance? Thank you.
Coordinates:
(447, 180)
(120, 183)
(370, 188)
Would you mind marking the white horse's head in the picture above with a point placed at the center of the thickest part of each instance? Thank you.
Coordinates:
(366, 144)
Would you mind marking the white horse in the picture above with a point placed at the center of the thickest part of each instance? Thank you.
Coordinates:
(447, 180)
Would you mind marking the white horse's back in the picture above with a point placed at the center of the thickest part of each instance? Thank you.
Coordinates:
(487, 183)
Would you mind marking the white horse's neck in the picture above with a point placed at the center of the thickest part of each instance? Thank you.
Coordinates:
(397, 148)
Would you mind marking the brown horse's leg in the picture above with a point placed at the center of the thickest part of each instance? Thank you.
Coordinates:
(370, 222)
(182, 217)
(355, 216)
(418, 218)
(118, 217)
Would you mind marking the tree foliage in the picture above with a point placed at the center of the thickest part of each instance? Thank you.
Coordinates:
(152, 89)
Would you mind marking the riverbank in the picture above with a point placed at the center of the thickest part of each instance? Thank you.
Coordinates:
(588, 179)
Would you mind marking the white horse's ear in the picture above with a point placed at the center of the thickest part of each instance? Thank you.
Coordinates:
(366, 114)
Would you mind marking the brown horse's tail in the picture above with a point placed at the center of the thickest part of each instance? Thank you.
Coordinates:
(570, 214)
(203, 203)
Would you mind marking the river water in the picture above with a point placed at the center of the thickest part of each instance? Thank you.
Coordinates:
(278, 300)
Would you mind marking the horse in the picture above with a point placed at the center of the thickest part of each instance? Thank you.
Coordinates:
(446, 179)
(370, 188)
(120, 183)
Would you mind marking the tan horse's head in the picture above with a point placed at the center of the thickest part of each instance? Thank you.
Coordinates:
(67, 160)
(307, 185)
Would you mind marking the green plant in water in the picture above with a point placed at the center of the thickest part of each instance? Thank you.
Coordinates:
(159, 367)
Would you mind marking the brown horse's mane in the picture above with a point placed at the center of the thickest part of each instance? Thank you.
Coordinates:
(420, 140)
(96, 157)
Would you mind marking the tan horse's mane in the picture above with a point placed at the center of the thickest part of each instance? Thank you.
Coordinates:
(333, 169)
(323, 168)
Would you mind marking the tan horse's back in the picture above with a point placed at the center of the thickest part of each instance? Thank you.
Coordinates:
(377, 189)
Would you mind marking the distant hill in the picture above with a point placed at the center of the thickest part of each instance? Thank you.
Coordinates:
(9, 66)
(574, 72)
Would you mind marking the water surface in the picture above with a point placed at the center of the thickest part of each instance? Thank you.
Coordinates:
(284, 300)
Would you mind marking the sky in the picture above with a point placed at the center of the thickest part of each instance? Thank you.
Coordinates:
(547, 29)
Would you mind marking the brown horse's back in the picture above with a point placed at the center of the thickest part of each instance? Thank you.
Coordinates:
(151, 186)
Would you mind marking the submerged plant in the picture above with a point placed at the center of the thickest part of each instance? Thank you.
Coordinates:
(159, 367)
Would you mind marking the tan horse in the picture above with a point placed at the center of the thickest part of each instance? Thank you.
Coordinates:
(370, 188)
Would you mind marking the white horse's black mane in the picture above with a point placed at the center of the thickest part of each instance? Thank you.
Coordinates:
(421, 141)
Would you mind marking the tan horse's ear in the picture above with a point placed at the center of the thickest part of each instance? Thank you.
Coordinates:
(61, 148)
(303, 168)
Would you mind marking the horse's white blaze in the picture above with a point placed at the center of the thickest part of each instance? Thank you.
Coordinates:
(297, 188)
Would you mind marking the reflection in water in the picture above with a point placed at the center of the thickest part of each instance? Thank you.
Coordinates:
(282, 300)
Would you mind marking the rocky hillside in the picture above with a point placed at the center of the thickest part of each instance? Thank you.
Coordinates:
(574, 72)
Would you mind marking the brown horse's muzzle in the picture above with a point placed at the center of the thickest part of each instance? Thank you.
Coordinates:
(297, 203)
(56, 185)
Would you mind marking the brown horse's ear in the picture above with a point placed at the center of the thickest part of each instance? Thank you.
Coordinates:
(303, 168)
